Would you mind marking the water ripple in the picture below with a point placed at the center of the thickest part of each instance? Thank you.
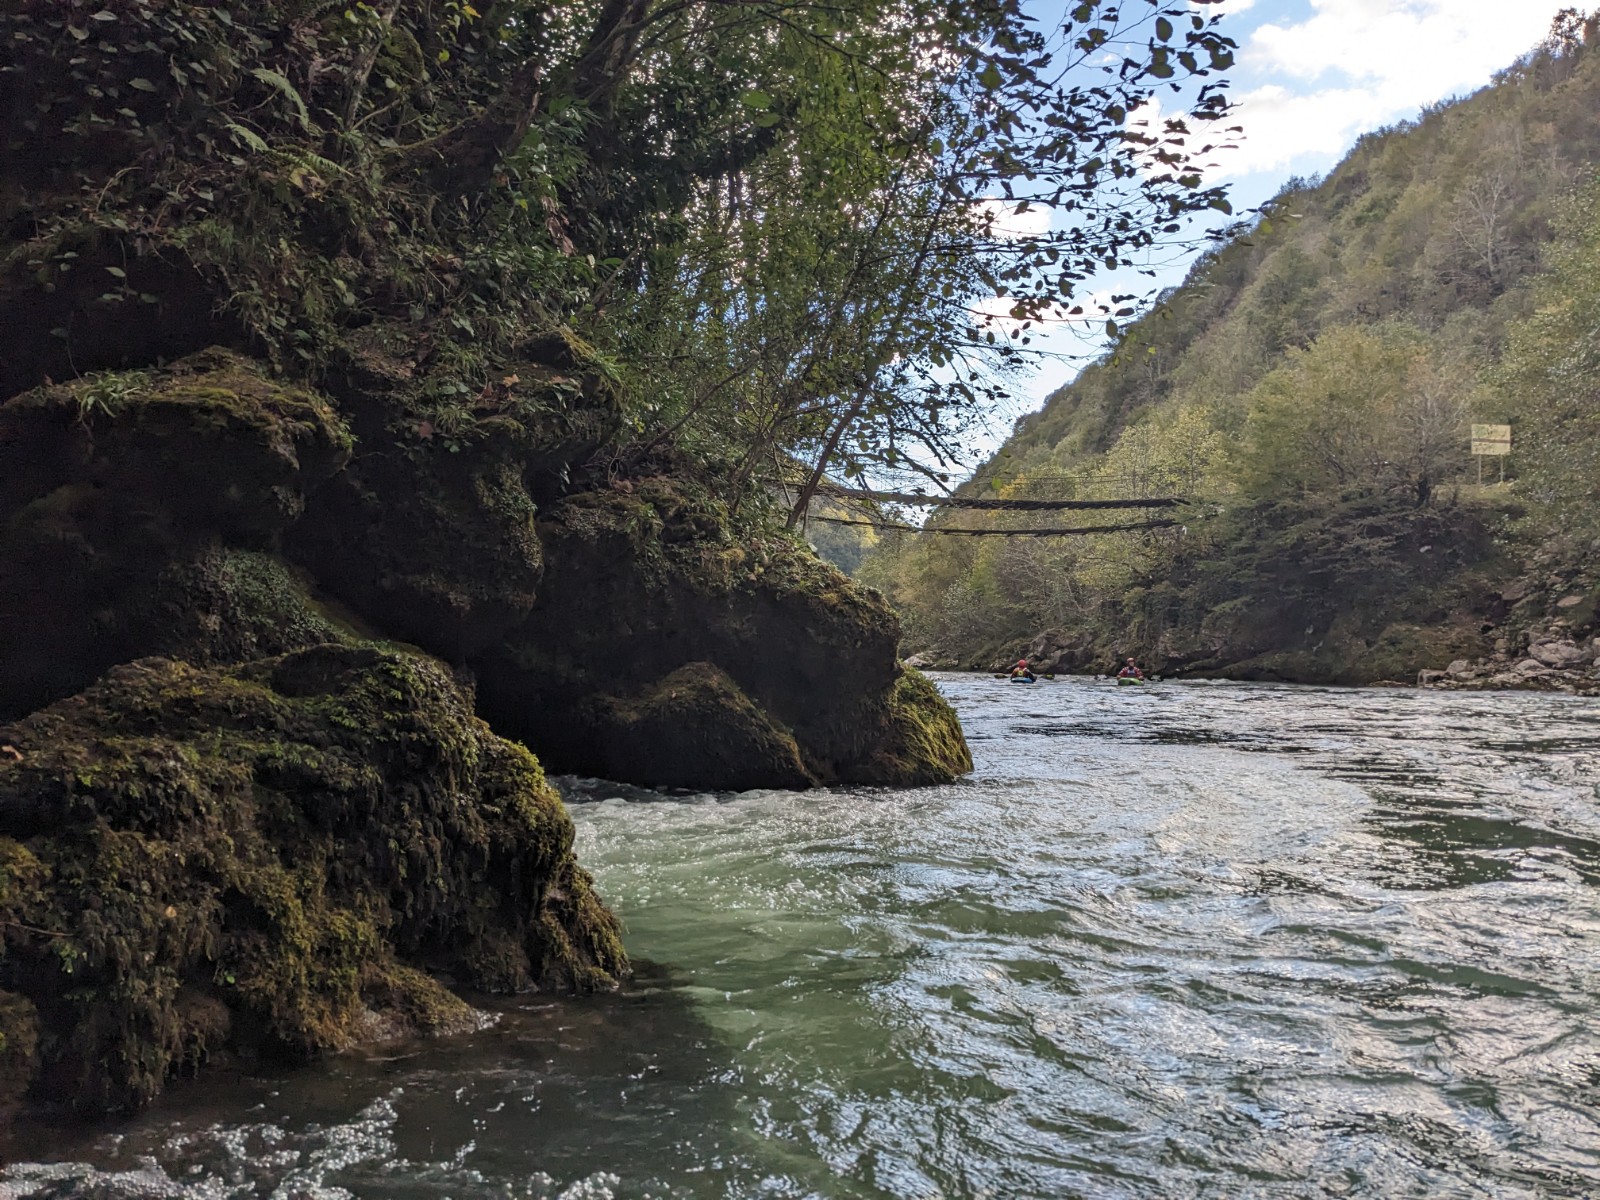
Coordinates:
(1188, 940)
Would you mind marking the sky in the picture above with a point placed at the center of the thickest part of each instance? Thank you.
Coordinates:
(1311, 77)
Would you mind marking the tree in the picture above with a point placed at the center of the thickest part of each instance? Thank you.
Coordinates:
(1548, 383)
(773, 219)
(821, 300)
(1360, 408)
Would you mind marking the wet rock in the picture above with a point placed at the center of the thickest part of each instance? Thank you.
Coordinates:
(255, 860)
(692, 728)
(642, 583)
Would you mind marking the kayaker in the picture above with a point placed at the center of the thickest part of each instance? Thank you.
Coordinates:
(1131, 671)
(1022, 670)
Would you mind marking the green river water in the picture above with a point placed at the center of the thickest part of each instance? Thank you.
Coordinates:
(1222, 940)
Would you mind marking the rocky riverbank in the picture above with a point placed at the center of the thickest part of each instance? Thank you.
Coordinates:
(1532, 636)
(1551, 663)
(249, 805)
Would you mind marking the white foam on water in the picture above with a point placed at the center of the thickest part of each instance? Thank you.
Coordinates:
(266, 1162)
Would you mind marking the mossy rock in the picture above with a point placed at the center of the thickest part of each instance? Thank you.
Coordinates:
(63, 627)
(226, 606)
(693, 728)
(646, 578)
(252, 860)
(919, 741)
(212, 441)
(138, 514)
(433, 545)
(430, 532)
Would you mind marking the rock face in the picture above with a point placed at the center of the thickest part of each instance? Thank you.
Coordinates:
(235, 820)
(1545, 635)
(252, 860)
(118, 495)
(651, 610)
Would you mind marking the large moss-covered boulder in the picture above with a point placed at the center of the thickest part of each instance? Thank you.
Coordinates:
(121, 498)
(644, 581)
(918, 740)
(265, 860)
(436, 545)
(692, 728)
(429, 532)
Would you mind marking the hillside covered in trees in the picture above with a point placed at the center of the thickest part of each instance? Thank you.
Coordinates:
(1309, 388)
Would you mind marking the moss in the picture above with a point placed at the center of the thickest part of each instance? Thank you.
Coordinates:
(19, 1048)
(920, 741)
(581, 933)
(249, 859)
(437, 546)
(692, 728)
(228, 605)
(138, 515)
(646, 578)
(409, 1002)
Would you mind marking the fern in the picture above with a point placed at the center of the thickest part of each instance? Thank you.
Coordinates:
(280, 84)
(301, 159)
(248, 137)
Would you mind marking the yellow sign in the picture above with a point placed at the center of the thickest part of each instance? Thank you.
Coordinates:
(1491, 439)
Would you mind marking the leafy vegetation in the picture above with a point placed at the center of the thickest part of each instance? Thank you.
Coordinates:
(769, 222)
(1310, 388)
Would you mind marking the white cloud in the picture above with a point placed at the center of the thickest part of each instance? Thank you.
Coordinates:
(1280, 126)
(1377, 61)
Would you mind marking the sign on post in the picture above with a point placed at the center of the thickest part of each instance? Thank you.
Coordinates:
(1491, 439)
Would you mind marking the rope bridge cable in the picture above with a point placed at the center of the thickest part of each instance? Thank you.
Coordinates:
(835, 492)
(896, 527)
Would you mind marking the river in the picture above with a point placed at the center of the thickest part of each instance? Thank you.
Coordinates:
(1195, 939)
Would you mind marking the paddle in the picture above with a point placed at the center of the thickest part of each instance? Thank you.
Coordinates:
(1036, 675)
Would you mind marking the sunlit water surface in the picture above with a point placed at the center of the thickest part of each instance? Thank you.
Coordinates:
(1182, 940)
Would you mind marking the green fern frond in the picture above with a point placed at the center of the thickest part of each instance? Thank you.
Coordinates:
(247, 137)
(280, 84)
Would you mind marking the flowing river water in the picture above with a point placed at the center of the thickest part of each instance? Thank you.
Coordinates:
(1194, 939)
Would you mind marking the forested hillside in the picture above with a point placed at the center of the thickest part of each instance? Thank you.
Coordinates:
(1310, 388)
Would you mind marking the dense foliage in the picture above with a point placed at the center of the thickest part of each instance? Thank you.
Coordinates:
(1310, 386)
(769, 221)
